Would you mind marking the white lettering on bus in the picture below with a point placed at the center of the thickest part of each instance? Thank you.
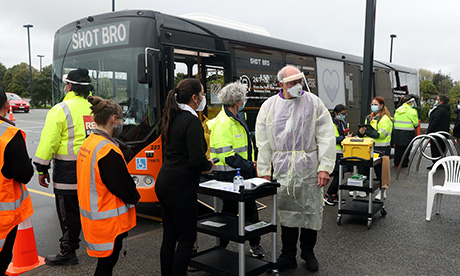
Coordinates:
(95, 31)
(105, 35)
(121, 30)
(113, 34)
(91, 38)
(88, 39)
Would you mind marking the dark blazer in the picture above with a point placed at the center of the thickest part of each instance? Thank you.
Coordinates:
(184, 158)
(439, 119)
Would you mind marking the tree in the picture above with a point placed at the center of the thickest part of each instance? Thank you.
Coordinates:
(444, 86)
(43, 87)
(17, 79)
(454, 93)
(428, 90)
(2, 73)
(425, 74)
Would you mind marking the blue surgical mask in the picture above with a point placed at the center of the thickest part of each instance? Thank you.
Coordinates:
(341, 117)
(242, 107)
(436, 103)
(375, 108)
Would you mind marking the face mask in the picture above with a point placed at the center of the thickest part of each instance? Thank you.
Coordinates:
(375, 108)
(340, 117)
(242, 107)
(202, 105)
(295, 91)
(117, 130)
(436, 103)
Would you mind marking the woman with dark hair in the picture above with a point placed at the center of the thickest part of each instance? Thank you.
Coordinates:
(106, 190)
(381, 121)
(406, 121)
(341, 131)
(439, 121)
(184, 158)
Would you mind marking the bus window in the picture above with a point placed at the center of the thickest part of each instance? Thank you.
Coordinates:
(214, 83)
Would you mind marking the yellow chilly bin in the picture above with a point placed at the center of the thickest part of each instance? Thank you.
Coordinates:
(358, 147)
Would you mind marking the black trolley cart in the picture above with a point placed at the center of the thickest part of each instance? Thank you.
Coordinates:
(360, 207)
(220, 261)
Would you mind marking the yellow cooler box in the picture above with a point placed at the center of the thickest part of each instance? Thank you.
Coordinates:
(358, 147)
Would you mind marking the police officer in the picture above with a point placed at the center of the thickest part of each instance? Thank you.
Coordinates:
(15, 169)
(405, 122)
(61, 138)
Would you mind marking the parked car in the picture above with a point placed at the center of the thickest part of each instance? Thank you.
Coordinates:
(17, 103)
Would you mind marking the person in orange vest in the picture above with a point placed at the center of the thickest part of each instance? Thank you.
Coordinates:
(15, 170)
(106, 191)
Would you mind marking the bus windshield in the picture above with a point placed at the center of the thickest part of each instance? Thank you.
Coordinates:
(114, 76)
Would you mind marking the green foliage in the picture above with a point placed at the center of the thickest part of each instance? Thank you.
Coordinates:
(444, 86)
(454, 93)
(428, 90)
(42, 87)
(2, 73)
(424, 109)
(17, 79)
(425, 75)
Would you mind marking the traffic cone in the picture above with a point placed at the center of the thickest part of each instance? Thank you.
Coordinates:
(25, 255)
(11, 118)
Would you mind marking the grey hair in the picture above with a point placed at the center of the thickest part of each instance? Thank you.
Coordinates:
(282, 73)
(232, 93)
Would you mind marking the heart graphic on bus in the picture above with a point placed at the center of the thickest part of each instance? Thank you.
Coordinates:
(331, 83)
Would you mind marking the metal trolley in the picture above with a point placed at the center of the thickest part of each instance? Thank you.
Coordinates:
(220, 261)
(360, 207)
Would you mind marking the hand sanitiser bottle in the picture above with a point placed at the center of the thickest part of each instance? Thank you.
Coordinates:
(238, 181)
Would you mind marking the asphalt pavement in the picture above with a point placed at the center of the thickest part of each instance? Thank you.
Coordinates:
(401, 243)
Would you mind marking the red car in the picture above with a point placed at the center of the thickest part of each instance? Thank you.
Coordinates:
(17, 103)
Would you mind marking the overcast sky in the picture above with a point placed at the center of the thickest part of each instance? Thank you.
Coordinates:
(427, 31)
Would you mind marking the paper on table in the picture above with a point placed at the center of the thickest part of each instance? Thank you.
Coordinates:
(213, 223)
(219, 185)
(255, 226)
(257, 181)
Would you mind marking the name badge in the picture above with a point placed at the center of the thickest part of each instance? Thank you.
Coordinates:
(239, 136)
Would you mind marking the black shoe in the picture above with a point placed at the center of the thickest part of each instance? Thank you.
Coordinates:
(63, 258)
(257, 251)
(284, 263)
(310, 260)
(329, 200)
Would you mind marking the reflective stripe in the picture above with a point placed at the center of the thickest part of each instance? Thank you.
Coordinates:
(404, 128)
(221, 150)
(242, 149)
(403, 122)
(3, 128)
(42, 161)
(100, 246)
(66, 157)
(384, 132)
(11, 206)
(65, 186)
(94, 213)
(70, 129)
(2, 242)
(224, 168)
(338, 151)
(382, 144)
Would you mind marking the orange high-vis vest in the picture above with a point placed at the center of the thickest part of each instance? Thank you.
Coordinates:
(15, 203)
(103, 215)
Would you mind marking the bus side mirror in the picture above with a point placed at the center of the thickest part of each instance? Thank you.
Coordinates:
(144, 71)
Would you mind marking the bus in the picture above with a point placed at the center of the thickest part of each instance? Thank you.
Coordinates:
(136, 56)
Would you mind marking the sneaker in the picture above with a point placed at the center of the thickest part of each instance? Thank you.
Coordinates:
(62, 258)
(284, 263)
(358, 193)
(329, 200)
(310, 260)
(257, 251)
(379, 195)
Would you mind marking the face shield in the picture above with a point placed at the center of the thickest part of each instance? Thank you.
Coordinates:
(296, 90)
(412, 103)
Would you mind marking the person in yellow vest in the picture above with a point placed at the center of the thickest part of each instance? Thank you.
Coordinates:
(342, 129)
(230, 141)
(15, 171)
(405, 123)
(382, 122)
(106, 191)
(61, 138)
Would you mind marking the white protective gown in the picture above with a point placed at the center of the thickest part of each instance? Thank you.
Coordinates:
(296, 136)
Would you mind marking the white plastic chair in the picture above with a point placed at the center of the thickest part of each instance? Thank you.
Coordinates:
(451, 185)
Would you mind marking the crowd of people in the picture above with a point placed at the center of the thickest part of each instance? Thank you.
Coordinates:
(95, 193)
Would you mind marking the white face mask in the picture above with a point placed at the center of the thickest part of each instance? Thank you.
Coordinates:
(202, 105)
(295, 91)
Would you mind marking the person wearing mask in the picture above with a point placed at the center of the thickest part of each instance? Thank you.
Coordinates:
(15, 171)
(230, 141)
(342, 129)
(106, 191)
(439, 121)
(184, 158)
(61, 138)
(381, 121)
(405, 123)
(295, 135)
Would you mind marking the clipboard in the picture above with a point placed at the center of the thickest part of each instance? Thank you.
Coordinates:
(368, 127)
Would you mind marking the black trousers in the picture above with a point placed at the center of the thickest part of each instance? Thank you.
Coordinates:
(69, 219)
(250, 212)
(434, 149)
(290, 236)
(399, 151)
(105, 265)
(378, 167)
(179, 235)
(7, 252)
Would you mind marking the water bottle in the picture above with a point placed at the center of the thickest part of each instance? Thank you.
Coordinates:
(238, 181)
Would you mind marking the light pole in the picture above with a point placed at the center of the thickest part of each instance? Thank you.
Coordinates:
(30, 62)
(113, 5)
(391, 46)
(40, 56)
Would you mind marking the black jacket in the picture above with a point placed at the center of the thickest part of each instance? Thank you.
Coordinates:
(439, 119)
(457, 121)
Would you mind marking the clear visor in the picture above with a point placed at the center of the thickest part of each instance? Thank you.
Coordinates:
(297, 77)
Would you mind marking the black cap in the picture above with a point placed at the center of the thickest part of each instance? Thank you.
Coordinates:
(79, 76)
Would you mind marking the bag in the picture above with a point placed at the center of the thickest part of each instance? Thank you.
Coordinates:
(386, 171)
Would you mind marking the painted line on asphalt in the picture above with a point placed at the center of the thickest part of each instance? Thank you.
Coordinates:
(40, 192)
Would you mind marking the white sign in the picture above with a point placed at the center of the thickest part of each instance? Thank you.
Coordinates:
(215, 89)
(331, 84)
